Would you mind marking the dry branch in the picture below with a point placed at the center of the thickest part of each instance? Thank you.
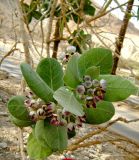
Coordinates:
(49, 27)
(9, 53)
(98, 131)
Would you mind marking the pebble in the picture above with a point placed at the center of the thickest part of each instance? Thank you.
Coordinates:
(3, 145)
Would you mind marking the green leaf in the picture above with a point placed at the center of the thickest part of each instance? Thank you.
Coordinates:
(118, 88)
(103, 112)
(89, 10)
(72, 76)
(93, 72)
(36, 84)
(54, 136)
(96, 57)
(35, 150)
(37, 15)
(17, 108)
(21, 123)
(29, 18)
(68, 101)
(51, 72)
(33, 6)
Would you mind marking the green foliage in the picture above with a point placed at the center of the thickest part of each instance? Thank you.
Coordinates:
(36, 84)
(88, 8)
(35, 150)
(21, 123)
(86, 97)
(118, 88)
(93, 71)
(54, 136)
(103, 112)
(68, 101)
(51, 72)
(18, 112)
(17, 108)
(96, 57)
(80, 40)
(72, 76)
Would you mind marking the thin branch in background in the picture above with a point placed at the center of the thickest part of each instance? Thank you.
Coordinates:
(23, 34)
(56, 43)
(100, 130)
(13, 48)
(90, 143)
(49, 27)
(63, 6)
(28, 60)
(121, 36)
(20, 132)
(125, 149)
(42, 34)
(101, 14)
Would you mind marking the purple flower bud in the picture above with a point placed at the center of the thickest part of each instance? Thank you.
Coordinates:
(27, 102)
(82, 119)
(103, 84)
(71, 126)
(62, 55)
(71, 49)
(88, 84)
(63, 122)
(51, 106)
(33, 115)
(80, 89)
(89, 98)
(65, 113)
(44, 107)
(55, 120)
(87, 78)
(40, 112)
(96, 83)
(90, 91)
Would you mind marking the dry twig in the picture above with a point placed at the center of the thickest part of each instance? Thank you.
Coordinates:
(98, 131)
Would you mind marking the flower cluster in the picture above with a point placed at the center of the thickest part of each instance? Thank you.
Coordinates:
(38, 110)
(91, 90)
(65, 56)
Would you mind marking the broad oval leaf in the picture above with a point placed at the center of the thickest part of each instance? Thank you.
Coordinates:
(36, 84)
(53, 136)
(93, 71)
(68, 101)
(35, 150)
(103, 112)
(72, 76)
(17, 108)
(118, 88)
(21, 123)
(96, 57)
(51, 72)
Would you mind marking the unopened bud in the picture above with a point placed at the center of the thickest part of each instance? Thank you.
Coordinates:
(40, 112)
(87, 78)
(71, 49)
(80, 89)
(88, 84)
(96, 83)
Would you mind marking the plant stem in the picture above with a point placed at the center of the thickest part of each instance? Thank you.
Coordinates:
(120, 39)
(49, 27)
(56, 43)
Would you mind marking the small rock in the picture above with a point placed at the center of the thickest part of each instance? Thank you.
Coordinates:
(3, 145)
(3, 75)
(86, 158)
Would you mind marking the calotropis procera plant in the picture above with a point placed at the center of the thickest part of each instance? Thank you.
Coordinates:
(58, 103)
